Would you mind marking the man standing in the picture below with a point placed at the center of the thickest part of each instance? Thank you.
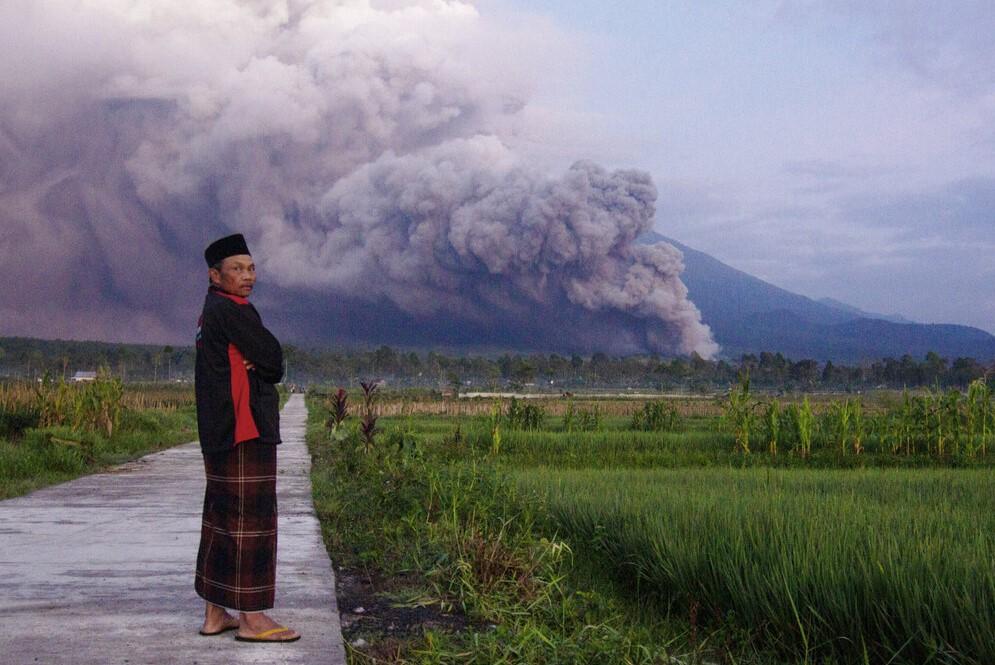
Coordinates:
(238, 417)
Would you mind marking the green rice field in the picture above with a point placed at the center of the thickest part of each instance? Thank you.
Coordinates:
(848, 531)
(866, 563)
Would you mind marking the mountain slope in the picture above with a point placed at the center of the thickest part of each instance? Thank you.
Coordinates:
(859, 313)
(749, 315)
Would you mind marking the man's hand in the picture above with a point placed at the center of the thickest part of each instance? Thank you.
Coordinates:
(247, 364)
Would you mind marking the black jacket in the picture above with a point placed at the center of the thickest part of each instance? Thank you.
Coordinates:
(235, 404)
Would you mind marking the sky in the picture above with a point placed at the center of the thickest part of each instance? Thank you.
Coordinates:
(459, 172)
(837, 149)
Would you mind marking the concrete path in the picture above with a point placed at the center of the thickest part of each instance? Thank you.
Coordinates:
(100, 570)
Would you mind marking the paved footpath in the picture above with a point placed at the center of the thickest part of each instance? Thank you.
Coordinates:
(100, 570)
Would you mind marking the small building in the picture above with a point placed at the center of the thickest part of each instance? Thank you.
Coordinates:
(83, 375)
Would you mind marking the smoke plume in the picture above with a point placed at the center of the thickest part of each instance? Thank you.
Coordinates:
(367, 150)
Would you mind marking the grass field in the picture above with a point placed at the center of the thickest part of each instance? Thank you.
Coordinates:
(867, 535)
(62, 432)
(882, 564)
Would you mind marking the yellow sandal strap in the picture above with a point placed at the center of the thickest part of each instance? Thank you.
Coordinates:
(271, 631)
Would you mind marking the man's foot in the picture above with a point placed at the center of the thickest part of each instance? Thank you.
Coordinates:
(258, 627)
(217, 621)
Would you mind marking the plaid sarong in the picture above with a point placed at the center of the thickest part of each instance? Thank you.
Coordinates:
(236, 562)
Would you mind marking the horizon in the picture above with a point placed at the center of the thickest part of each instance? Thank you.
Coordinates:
(457, 353)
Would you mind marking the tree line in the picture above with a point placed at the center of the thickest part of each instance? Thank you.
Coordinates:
(28, 358)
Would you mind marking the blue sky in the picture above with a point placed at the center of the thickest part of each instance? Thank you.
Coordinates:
(837, 148)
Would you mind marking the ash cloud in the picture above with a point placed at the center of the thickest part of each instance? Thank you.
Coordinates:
(365, 148)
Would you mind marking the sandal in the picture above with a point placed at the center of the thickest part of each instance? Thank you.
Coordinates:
(267, 636)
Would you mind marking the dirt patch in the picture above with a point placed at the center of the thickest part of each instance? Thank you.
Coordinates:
(376, 622)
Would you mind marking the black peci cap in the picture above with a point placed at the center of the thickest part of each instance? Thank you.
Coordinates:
(222, 248)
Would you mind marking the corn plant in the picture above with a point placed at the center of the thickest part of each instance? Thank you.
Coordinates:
(103, 403)
(93, 406)
(740, 413)
(979, 416)
(857, 426)
(524, 416)
(496, 429)
(657, 416)
(803, 422)
(920, 423)
(569, 417)
(940, 421)
(951, 410)
(840, 415)
(890, 431)
(772, 425)
(904, 424)
(589, 421)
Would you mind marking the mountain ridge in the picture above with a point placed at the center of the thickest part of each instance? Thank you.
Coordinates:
(749, 315)
(856, 311)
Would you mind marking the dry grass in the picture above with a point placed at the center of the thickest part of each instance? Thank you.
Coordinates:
(557, 405)
(160, 397)
(136, 396)
(553, 406)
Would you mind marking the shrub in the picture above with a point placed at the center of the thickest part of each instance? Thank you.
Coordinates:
(15, 419)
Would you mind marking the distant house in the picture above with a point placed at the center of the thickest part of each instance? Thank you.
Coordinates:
(83, 376)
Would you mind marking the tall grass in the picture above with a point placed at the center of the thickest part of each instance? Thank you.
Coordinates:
(56, 431)
(893, 566)
(93, 405)
(604, 448)
(157, 396)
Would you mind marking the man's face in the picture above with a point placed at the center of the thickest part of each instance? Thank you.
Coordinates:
(236, 276)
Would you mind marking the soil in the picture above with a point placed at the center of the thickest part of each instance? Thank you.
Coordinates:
(374, 624)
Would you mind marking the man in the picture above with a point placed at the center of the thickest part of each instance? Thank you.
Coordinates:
(238, 364)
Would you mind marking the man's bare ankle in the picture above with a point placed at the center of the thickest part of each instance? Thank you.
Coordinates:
(215, 615)
(256, 621)
(252, 618)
